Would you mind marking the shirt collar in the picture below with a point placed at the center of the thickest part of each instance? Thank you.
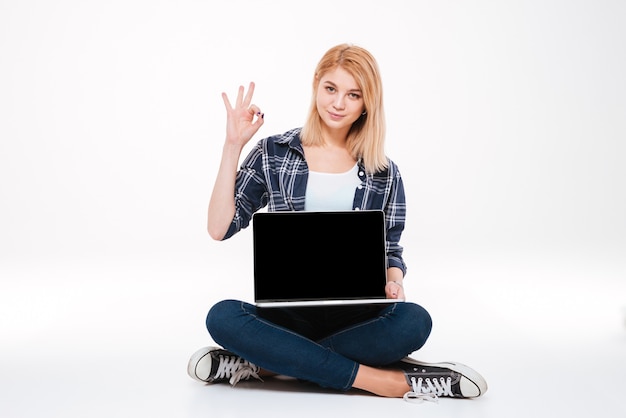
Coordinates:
(292, 139)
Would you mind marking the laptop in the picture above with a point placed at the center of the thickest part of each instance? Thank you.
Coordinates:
(319, 258)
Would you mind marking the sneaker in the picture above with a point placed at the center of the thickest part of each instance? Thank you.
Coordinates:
(429, 381)
(216, 365)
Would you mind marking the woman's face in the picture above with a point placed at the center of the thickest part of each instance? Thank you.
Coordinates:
(339, 99)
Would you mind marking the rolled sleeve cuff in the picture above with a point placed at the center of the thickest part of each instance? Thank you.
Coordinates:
(396, 262)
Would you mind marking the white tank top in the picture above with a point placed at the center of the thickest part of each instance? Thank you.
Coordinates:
(331, 191)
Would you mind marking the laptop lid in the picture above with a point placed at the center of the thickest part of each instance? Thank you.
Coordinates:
(319, 258)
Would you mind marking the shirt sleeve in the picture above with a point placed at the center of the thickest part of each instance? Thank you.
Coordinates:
(250, 190)
(395, 215)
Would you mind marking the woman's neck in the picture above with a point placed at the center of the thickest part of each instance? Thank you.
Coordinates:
(335, 137)
(329, 158)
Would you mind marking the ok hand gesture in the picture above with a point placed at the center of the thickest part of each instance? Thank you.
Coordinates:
(243, 120)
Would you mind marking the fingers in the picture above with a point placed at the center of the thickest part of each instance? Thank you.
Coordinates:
(254, 110)
(394, 290)
(241, 102)
(226, 102)
(239, 97)
(248, 98)
(245, 102)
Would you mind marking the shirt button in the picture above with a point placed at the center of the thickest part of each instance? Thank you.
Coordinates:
(361, 174)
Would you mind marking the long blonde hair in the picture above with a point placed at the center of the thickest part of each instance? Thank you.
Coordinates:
(366, 138)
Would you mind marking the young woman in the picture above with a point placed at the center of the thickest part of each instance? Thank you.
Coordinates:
(341, 347)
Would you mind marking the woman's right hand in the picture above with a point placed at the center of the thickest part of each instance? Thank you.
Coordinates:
(242, 122)
(244, 119)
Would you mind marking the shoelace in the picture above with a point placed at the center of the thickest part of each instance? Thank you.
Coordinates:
(434, 388)
(236, 369)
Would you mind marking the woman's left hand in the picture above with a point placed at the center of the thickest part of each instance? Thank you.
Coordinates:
(394, 290)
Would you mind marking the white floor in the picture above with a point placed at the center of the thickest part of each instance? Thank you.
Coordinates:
(110, 337)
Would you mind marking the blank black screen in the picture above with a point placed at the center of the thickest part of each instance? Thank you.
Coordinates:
(319, 255)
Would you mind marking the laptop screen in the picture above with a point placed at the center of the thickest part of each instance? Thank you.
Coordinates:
(319, 255)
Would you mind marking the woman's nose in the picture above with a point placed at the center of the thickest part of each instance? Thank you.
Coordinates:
(339, 102)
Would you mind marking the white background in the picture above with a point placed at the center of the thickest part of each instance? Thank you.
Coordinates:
(507, 119)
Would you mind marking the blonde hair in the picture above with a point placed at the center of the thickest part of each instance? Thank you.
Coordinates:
(366, 138)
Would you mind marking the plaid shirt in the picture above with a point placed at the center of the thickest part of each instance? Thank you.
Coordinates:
(275, 175)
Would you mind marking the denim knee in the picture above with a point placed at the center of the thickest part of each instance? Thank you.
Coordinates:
(422, 325)
(220, 317)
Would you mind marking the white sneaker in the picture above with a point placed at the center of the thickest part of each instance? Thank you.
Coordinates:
(216, 365)
(429, 381)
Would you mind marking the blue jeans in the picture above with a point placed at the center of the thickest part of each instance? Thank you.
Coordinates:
(324, 345)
